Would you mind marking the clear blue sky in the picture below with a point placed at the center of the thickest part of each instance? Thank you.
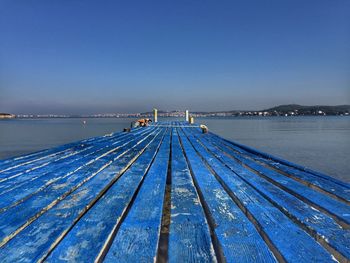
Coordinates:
(70, 56)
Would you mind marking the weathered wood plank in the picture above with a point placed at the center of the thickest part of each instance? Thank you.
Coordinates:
(138, 236)
(41, 162)
(317, 224)
(24, 170)
(104, 200)
(337, 209)
(15, 190)
(23, 159)
(239, 240)
(340, 191)
(15, 162)
(36, 239)
(18, 216)
(86, 239)
(290, 242)
(189, 237)
(285, 162)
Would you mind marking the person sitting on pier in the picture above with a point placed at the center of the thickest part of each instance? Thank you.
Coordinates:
(140, 123)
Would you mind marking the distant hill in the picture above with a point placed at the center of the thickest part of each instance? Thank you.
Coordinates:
(307, 110)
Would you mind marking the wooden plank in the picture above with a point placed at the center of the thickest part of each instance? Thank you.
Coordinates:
(14, 190)
(32, 157)
(15, 162)
(238, 238)
(138, 236)
(36, 239)
(189, 237)
(287, 240)
(40, 162)
(322, 227)
(25, 168)
(338, 191)
(285, 162)
(338, 210)
(17, 217)
(87, 238)
(37, 183)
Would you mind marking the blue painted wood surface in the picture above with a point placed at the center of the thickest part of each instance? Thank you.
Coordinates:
(92, 232)
(338, 209)
(22, 214)
(240, 241)
(106, 199)
(76, 197)
(189, 236)
(322, 226)
(137, 238)
(17, 188)
(328, 186)
(292, 243)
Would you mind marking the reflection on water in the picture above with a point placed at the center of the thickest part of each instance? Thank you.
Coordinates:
(321, 143)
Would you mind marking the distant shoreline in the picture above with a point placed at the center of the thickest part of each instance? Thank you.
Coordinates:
(282, 110)
(171, 117)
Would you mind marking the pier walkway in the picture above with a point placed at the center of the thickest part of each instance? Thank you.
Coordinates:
(168, 193)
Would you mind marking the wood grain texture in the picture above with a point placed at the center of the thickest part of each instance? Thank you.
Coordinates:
(37, 234)
(338, 191)
(21, 215)
(168, 192)
(291, 242)
(85, 241)
(323, 227)
(138, 236)
(22, 161)
(285, 162)
(18, 189)
(189, 237)
(239, 240)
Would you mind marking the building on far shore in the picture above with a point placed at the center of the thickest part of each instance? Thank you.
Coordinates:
(7, 116)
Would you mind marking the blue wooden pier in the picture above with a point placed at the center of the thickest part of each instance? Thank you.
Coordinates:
(168, 193)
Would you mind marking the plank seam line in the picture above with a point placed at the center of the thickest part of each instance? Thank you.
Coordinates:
(110, 238)
(292, 165)
(3, 209)
(54, 160)
(313, 233)
(32, 179)
(339, 221)
(60, 198)
(306, 183)
(163, 243)
(96, 199)
(241, 206)
(211, 221)
(73, 145)
(302, 181)
(44, 157)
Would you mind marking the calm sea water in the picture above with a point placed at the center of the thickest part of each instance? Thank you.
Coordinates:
(320, 143)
